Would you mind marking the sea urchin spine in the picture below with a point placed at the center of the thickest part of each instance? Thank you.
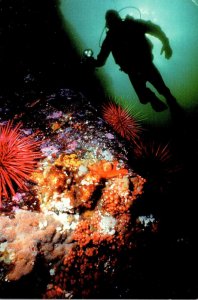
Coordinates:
(121, 120)
(18, 158)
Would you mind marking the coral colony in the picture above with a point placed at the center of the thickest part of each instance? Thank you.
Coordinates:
(84, 189)
(18, 158)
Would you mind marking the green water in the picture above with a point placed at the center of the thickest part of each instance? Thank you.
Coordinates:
(177, 18)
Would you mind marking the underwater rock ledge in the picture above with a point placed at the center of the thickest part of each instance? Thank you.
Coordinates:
(76, 215)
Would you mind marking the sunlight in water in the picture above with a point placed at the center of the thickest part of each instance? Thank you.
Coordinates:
(195, 2)
(177, 18)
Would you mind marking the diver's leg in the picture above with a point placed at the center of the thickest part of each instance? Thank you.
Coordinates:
(155, 78)
(144, 93)
(138, 82)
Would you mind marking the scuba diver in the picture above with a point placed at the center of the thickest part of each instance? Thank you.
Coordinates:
(132, 51)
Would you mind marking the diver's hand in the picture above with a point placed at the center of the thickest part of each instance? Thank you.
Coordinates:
(89, 62)
(167, 50)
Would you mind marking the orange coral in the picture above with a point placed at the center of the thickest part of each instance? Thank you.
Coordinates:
(107, 169)
(50, 181)
(55, 126)
(103, 221)
(70, 161)
(138, 184)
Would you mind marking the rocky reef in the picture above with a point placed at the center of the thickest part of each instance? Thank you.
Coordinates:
(74, 221)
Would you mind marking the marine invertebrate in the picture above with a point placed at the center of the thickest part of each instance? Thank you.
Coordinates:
(107, 169)
(155, 162)
(81, 227)
(121, 120)
(18, 158)
(74, 180)
(24, 236)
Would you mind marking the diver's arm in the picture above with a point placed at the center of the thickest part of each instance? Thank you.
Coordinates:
(157, 32)
(103, 54)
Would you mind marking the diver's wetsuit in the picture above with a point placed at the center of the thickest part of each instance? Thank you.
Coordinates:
(132, 51)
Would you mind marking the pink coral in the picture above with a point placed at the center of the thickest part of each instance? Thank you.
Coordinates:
(28, 234)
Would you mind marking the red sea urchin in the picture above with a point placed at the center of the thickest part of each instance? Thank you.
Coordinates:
(121, 120)
(156, 163)
(18, 158)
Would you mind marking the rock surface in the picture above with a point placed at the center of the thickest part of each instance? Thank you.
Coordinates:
(76, 215)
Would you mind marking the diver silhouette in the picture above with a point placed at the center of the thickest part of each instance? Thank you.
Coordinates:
(132, 51)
